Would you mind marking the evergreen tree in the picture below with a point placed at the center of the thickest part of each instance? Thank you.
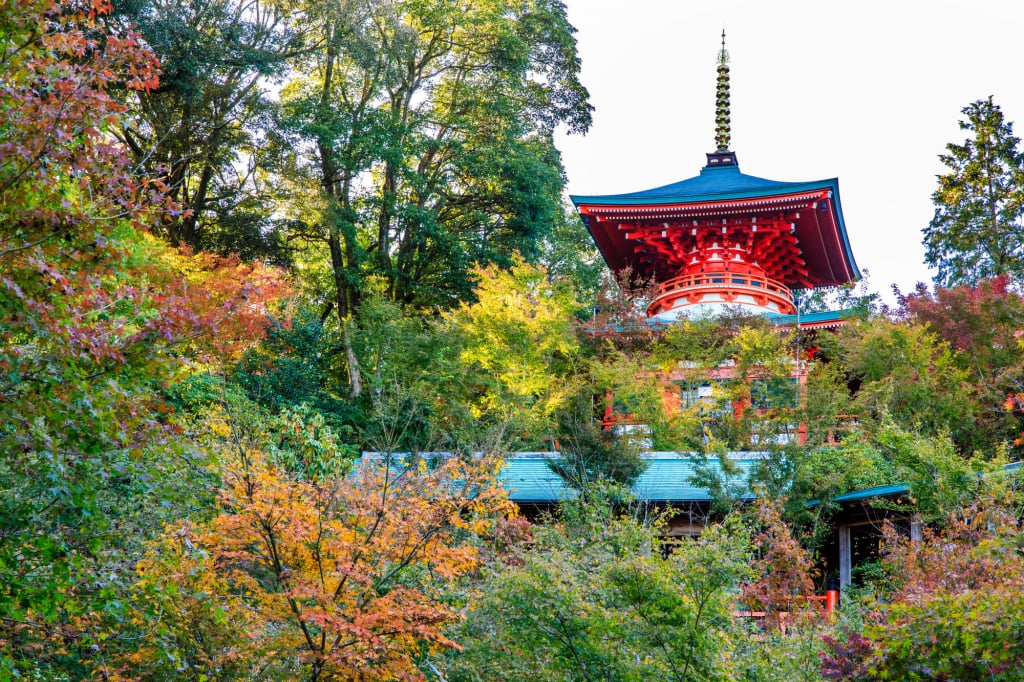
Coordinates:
(979, 205)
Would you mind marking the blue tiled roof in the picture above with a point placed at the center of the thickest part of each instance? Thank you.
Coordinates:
(725, 182)
(529, 479)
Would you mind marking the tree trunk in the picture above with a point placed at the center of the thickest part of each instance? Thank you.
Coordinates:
(345, 305)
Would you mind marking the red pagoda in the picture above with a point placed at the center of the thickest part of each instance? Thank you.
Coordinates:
(724, 238)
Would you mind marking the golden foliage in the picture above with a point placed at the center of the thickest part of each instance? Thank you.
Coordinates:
(342, 577)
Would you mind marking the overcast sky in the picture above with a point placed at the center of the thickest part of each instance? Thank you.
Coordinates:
(867, 91)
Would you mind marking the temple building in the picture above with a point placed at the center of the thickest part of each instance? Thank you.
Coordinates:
(718, 241)
(724, 238)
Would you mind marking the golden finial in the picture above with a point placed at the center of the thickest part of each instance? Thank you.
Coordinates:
(722, 131)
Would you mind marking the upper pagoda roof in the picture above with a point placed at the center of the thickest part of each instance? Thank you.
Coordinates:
(811, 211)
(793, 232)
(713, 184)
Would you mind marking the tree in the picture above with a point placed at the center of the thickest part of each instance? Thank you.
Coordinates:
(200, 128)
(568, 250)
(295, 364)
(593, 597)
(73, 330)
(907, 373)
(982, 323)
(420, 389)
(953, 607)
(736, 382)
(783, 568)
(979, 204)
(95, 316)
(420, 140)
(590, 451)
(324, 578)
(520, 343)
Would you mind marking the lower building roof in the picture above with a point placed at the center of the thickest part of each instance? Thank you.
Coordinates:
(669, 477)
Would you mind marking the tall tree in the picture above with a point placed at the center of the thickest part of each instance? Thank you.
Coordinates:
(422, 139)
(979, 204)
(200, 128)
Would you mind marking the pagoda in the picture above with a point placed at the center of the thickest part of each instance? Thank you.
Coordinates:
(723, 238)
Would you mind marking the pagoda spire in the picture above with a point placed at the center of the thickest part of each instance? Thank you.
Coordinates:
(722, 157)
(722, 131)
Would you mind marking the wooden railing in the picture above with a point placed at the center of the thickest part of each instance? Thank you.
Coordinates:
(818, 606)
(729, 285)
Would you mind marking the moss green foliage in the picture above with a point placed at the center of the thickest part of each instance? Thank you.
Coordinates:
(596, 597)
(908, 374)
(774, 656)
(296, 363)
(416, 141)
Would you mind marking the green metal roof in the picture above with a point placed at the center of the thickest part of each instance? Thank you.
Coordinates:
(878, 491)
(896, 489)
(810, 318)
(668, 477)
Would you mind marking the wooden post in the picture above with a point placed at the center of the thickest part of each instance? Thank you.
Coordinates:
(916, 528)
(844, 556)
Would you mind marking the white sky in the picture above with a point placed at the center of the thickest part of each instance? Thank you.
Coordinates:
(864, 90)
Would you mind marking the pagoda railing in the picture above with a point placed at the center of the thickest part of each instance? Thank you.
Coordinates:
(694, 287)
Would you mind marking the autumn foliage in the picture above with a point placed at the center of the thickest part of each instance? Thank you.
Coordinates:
(985, 324)
(783, 568)
(95, 315)
(185, 496)
(953, 609)
(344, 573)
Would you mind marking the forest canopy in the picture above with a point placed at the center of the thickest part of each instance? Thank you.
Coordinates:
(282, 287)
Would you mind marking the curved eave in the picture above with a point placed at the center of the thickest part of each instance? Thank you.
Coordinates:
(841, 225)
(822, 237)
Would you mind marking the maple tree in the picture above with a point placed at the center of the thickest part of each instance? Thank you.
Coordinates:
(519, 338)
(74, 328)
(983, 323)
(952, 609)
(907, 373)
(783, 568)
(94, 315)
(345, 572)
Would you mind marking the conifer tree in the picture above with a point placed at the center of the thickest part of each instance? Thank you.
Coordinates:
(979, 204)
